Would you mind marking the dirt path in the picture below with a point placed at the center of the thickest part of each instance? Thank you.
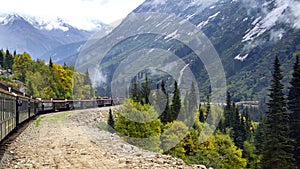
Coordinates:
(72, 140)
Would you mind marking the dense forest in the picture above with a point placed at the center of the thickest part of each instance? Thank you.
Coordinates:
(238, 142)
(41, 80)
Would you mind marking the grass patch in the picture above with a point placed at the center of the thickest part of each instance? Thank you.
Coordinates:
(37, 122)
(58, 117)
(102, 126)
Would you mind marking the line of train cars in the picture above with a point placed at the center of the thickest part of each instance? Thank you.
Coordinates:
(17, 108)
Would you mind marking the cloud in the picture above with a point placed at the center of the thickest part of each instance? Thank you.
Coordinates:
(77, 12)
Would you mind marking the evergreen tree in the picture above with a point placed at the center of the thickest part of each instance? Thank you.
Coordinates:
(111, 122)
(50, 63)
(294, 107)
(186, 107)
(237, 130)
(146, 90)
(1, 58)
(228, 112)
(260, 137)
(87, 80)
(8, 60)
(135, 93)
(176, 104)
(277, 146)
(165, 114)
(207, 105)
(192, 101)
(248, 125)
(201, 114)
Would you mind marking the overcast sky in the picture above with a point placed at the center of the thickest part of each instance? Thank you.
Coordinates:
(75, 11)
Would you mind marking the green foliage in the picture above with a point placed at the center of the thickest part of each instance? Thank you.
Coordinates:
(172, 137)
(294, 107)
(164, 99)
(176, 104)
(202, 115)
(139, 125)
(22, 64)
(219, 152)
(8, 60)
(229, 112)
(44, 81)
(146, 90)
(82, 86)
(277, 146)
(250, 153)
(37, 122)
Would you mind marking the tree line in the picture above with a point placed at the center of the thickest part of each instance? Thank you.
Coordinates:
(44, 80)
(238, 142)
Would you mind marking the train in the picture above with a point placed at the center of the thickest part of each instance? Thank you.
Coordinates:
(17, 108)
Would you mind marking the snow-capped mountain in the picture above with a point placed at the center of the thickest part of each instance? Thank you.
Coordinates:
(247, 35)
(37, 36)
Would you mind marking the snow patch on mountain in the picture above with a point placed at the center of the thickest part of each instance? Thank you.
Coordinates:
(4, 20)
(49, 25)
(240, 57)
(209, 19)
(265, 24)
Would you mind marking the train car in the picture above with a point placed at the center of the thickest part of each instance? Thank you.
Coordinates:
(23, 109)
(7, 113)
(83, 104)
(16, 108)
(61, 105)
(102, 102)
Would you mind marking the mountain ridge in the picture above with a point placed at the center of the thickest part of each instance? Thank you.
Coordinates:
(246, 34)
(37, 37)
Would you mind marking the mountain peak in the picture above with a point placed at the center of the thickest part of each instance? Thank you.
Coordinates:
(10, 18)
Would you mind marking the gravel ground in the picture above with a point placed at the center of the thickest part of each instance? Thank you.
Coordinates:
(72, 140)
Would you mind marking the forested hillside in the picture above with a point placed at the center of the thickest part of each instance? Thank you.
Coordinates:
(238, 142)
(43, 80)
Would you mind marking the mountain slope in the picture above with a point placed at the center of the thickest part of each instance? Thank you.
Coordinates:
(246, 34)
(24, 33)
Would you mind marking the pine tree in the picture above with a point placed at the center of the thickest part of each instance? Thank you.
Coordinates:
(260, 137)
(248, 125)
(228, 111)
(294, 107)
(1, 58)
(186, 107)
(207, 105)
(146, 90)
(201, 114)
(8, 60)
(192, 101)
(135, 93)
(237, 130)
(50, 63)
(165, 114)
(87, 80)
(111, 122)
(176, 104)
(277, 146)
